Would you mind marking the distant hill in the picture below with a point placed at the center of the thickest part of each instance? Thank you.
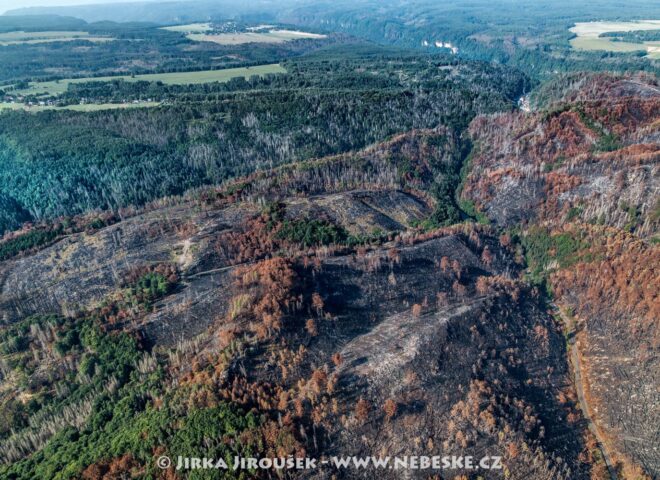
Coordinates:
(163, 12)
(36, 23)
(530, 35)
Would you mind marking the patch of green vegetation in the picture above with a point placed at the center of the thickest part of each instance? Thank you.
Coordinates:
(274, 213)
(467, 206)
(376, 236)
(103, 357)
(446, 190)
(542, 250)
(308, 232)
(27, 241)
(607, 141)
(446, 211)
(236, 188)
(124, 418)
(148, 288)
(470, 209)
(635, 36)
(574, 212)
(311, 233)
(21, 329)
(558, 162)
(222, 422)
(46, 233)
(132, 426)
(634, 216)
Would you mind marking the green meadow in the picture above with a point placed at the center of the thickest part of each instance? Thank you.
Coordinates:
(588, 37)
(58, 87)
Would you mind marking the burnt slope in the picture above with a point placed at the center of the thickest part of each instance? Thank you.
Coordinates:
(578, 184)
(384, 340)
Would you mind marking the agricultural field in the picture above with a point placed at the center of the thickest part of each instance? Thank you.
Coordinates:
(239, 38)
(85, 107)
(230, 35)
(58, 87)
(653, 49)
(589, 37)
(18, 38)
(190, 28)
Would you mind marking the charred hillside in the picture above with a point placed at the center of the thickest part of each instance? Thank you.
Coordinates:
(304, 307)
(592, 157)
(577, 184)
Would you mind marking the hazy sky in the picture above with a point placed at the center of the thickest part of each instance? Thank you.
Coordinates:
(11, 4)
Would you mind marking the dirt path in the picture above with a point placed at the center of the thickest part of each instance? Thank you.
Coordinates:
(576, 365)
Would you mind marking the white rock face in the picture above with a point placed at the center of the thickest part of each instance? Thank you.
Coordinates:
(441, 44)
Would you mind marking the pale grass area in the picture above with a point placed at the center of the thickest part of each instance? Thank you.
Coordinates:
(588, 37)
(175, 78)
(190, 28)
(20, 35)
(259, 27)
(88, 107)
(603, 43)
(593, 29)
(272, 36)
(292, 34)
(17, 38)
(200, 32)
(53, 40)
(653, 49)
